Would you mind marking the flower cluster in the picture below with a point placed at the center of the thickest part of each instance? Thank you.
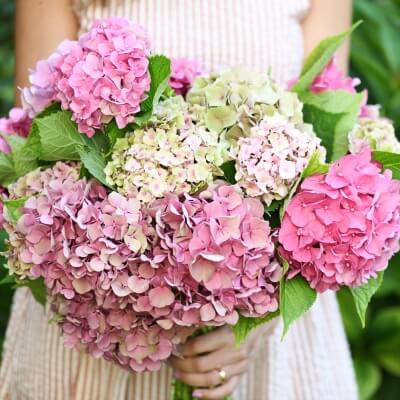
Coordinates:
(376, 133)
(17, 123)
(220, 255)
(170, 155)
(184, 71)
(232, 102)
(92, 249)
(102, 75)
(342, 228)
(332, 78)
(272, 157)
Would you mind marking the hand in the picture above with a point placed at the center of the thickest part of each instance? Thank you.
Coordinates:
(204, 356)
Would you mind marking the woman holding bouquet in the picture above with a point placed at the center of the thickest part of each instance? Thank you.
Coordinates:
(313, 362)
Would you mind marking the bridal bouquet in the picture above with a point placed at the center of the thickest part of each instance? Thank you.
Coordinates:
(146, 200)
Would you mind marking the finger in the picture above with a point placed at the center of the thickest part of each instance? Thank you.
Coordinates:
(208, 362)
(208, 342)
(211, 378)
(219, 392)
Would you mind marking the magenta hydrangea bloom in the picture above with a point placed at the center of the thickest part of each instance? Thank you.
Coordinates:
(17, 123)
(219, 256)
(341, 229)
(101, 76)
(184, 72)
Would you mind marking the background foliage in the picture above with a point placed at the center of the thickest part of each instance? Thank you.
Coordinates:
(375, 58)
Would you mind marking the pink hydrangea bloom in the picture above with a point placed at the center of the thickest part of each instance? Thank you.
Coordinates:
(101, 76)
(17, 123)
(341, 229)
(219, 256)
(332, 78)
(184, 72)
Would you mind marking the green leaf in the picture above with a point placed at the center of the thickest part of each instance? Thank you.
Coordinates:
(38, 290)
(13, 207)
(3, 238)
(8, 280)
(59, 137)
(319, 58)
(113, 133)
(273, 206)
(314, 166)
(368, 377)
(229, 170)
(296, 298)
(160, 72)
(25, 158)
(246, 324)
(389, 161)
(333, 114)
(7, 172)
(94, 162)
(362, 295)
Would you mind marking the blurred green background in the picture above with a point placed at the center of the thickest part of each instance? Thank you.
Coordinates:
(375, 58)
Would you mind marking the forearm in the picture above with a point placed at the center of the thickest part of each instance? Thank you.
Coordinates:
(40, 25)
(327, 18)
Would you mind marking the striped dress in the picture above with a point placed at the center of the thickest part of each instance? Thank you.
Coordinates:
(313, 362)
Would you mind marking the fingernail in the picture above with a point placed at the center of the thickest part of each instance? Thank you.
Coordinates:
(198, 394)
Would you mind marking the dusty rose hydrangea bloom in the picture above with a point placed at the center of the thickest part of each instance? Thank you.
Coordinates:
(92, 250)
(341, 229)
(272, 157)
(220, 255)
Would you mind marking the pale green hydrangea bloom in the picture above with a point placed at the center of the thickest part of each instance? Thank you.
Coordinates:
(376, 133)
(169, 155)
(232, 102)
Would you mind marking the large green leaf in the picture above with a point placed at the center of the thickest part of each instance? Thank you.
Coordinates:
(333, 114)
(389, 161)
(362, 295)
(160, 72)
(296, 298)
(229, 170)
(319, 58)
(246, 324)
(38, 290)
(7, 171)
(391, 279)
(59, 137)
(94, 162)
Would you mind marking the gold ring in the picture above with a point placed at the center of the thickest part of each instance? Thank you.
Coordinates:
(222, 375)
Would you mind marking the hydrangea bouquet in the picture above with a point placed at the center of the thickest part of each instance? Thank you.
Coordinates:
(146, 200)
